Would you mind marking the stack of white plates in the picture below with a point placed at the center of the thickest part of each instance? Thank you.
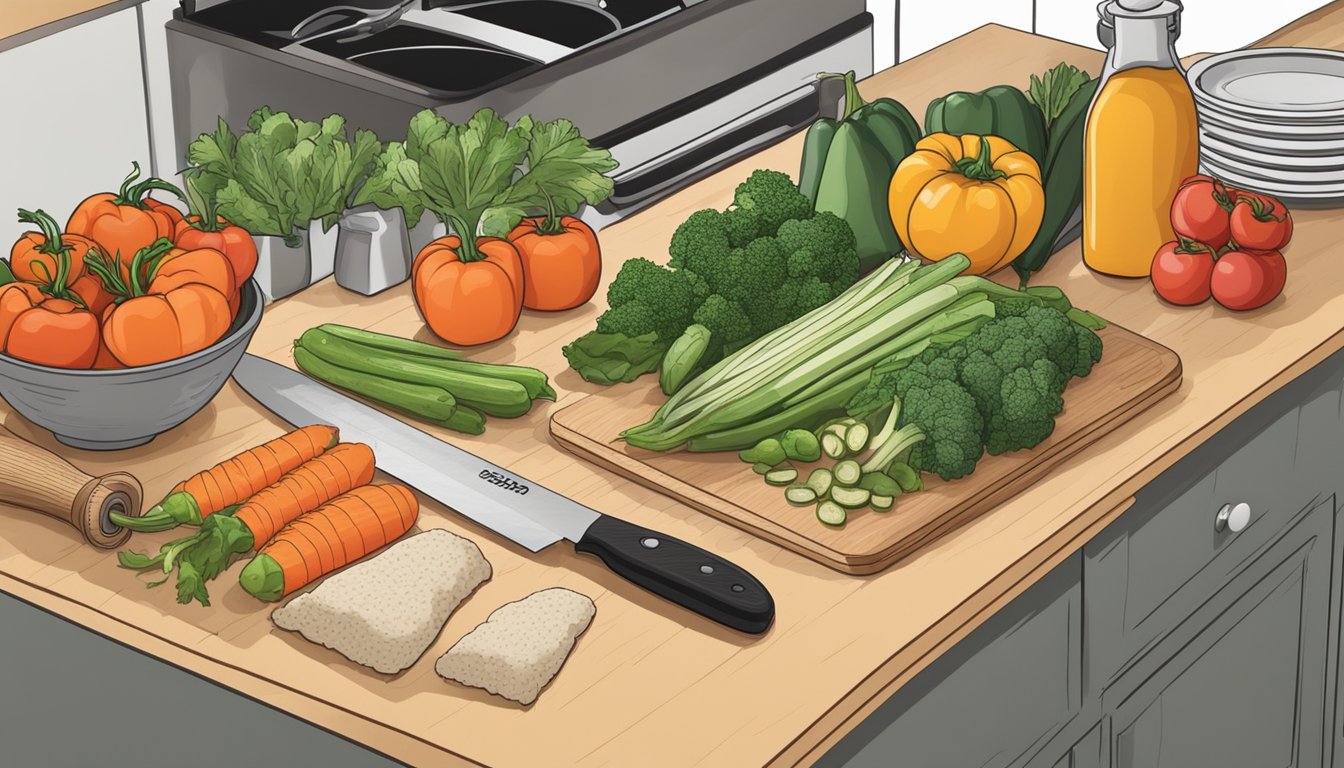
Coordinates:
(1272, 120)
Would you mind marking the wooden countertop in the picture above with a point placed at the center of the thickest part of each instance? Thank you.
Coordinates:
(18, 16)
(650, 684)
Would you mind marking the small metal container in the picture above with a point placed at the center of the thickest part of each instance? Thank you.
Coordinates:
(282, 269)
(1106, 25)
(373, 250)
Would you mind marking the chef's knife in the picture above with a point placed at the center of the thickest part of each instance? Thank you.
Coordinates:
(515, 507)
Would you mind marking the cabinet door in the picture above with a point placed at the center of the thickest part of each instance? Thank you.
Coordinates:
(1000, 694)
(927, 24)
(1247, 690)
(82, 98)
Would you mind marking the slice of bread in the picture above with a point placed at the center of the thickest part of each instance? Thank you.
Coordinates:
(521, 646)
(386, 611)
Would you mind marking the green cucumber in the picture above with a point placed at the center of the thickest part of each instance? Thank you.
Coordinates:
(762, 468)
(495, 397)
(820, 481)
(833, 445)
(768, 451)
(781, 476)
(882, 503)
(848, 473)
(420, 400)
(856, 438)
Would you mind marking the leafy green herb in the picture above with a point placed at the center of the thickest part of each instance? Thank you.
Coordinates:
(564, 172)
(612, 358)
(1052, 91)
(393, 183)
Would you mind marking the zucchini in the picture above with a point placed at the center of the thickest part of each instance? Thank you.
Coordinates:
(882, 503)
(850, 498)
(856, 438)
(800, 495)
(683, 358)
(820, 481)
(762, 468)
(388, 343)
(847, 473)
(831, 513)
(879, 484)
(768, 451)
(906, 477)
(833, 446)
(419, 400)
(781, 476)
(494, 397)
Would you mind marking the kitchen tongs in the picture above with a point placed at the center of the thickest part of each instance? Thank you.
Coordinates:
(357, 22)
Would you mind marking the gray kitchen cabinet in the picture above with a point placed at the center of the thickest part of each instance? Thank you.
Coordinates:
(995, 698)
(926, 24)
(1247, 690)
(89, 83)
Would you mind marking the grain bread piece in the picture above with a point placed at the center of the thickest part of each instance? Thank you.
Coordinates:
(386, 611)
(521, 647)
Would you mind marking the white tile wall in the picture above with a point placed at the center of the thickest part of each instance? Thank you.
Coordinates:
(83, 118)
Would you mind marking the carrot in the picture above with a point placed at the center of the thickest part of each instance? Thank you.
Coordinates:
(331, 537)
(233, 481)
(204, 555)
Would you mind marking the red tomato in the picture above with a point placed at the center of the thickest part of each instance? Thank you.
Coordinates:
(1181, 272)
(1261, 222)
(1248, 279)
(1201, 211)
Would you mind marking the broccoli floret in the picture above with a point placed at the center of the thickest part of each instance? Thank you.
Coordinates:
(1088, 350)
(983, 378)
(808, 294)
(822, 247)
(951, 424)
(1055, 331)
(729, 327)
(1027, 416)
(773, 197)
(647, 298)
(744, 226)
(701, 238)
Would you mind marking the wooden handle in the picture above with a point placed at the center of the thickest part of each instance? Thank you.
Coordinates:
(35, 478)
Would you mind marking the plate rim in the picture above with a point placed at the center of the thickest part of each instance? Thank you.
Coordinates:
(1200, 68)
(1223, 159)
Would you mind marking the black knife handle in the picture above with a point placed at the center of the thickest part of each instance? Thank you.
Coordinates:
(681, 572)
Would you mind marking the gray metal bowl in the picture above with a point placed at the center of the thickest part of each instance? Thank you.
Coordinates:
(107, 410)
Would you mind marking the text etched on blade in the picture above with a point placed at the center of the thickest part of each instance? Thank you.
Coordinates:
(504, 481)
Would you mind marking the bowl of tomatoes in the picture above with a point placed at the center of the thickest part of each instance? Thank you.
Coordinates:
(114, 408)
(127, 322)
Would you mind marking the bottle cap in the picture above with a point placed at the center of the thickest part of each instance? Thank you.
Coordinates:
(1138, 5)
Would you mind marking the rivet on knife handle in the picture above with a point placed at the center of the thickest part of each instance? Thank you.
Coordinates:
(681, 572)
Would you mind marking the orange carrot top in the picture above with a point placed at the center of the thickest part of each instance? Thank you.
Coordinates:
(233, 481)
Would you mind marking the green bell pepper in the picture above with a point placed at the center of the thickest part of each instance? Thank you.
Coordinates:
(6, 274)
(848, 164)
(1063, 174)
(1002, 111)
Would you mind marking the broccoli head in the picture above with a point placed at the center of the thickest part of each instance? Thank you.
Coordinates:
(773, 197)
(1088, 350)
(744, 226)
(647, 298)
(701, 239)
(952, 427)
(823, 247)
(1027, 415)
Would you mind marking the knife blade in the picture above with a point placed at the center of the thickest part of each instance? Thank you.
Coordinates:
(530, 515)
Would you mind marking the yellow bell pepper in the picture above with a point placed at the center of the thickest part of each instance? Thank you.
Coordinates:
(969, 194)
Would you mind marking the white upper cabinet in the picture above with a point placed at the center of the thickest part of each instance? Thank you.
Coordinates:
(927, 24)
(83, 118)
(154, 14)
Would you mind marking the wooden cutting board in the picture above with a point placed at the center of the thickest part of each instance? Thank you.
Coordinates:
(1134, 373)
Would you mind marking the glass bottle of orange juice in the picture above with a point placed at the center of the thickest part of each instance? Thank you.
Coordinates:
(1141, 142)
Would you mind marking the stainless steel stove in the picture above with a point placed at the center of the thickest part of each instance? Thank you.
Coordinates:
(676, 89)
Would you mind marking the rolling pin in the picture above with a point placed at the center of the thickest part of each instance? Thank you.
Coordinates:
(35, 478)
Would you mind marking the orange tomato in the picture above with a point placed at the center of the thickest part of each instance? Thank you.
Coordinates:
(561, 270)
(469, 302)
(37, 258)
(123, 223)
(44, 330)
(175, 303)
(233, 241)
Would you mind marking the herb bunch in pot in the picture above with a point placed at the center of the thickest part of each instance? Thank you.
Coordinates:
(482, 178)
(277, 179)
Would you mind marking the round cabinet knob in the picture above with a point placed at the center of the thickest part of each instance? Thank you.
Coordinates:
(1233, 517)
